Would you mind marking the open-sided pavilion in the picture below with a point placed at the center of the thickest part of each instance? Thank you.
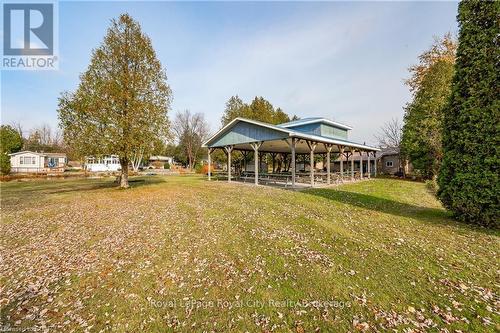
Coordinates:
(306, 136)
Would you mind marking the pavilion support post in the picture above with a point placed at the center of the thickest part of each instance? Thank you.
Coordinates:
(361, 164)
(369, 166)
(341, 152)
(260, 159)
(312, 147)
(352, 164)
(293, 164)
(292, 146)
(210, 150)
(375, 164)
(256, 146)
(347, 169)
(328, 149)
(257, 163)
(228, 149)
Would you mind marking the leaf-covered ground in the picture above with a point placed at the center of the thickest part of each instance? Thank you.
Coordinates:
(179, 253)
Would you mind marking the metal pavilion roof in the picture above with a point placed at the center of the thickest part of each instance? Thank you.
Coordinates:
(286, 133)
(312, 120)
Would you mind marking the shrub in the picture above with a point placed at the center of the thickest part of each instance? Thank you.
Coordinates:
(4, 164)
(468, 179)
(198, 168)
(204, 169)
(10, 140)
(432, 185)
(166, 166)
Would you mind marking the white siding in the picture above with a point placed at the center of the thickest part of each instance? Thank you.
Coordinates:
(33, 162)
(24, 162)
(106, 163)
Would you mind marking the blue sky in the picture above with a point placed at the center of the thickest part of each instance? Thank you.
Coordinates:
(342, 60)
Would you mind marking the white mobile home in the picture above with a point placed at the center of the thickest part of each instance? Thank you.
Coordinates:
(102, 164)
(28, 161)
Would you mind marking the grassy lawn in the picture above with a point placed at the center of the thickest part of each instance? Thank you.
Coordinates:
(179, 253)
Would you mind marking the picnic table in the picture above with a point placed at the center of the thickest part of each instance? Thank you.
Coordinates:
(220, 175)
(268, 178)
(279, 177)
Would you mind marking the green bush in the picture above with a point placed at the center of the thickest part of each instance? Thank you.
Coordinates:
(10, 140)
(198, 168)
(432, 185)
(4, 164)
(468, 178)
(166, 166)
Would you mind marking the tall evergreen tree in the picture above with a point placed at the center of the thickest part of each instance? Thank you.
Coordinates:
(235, 107)
(468, 179)
(259, 109)
(121, 104)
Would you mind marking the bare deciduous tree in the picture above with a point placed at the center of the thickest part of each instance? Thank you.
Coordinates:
(390, 134)
(190, 131)
(18, 128)
(42, 138)
(46, 135)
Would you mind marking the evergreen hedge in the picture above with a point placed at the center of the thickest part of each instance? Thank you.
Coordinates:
(468, 178)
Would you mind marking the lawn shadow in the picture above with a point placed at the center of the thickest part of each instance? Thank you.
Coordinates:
(396, 208)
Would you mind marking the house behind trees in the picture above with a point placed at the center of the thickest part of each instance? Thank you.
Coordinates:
(389, 162)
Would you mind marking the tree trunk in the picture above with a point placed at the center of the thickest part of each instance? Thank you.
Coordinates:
(124, 174)
(137, 159)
